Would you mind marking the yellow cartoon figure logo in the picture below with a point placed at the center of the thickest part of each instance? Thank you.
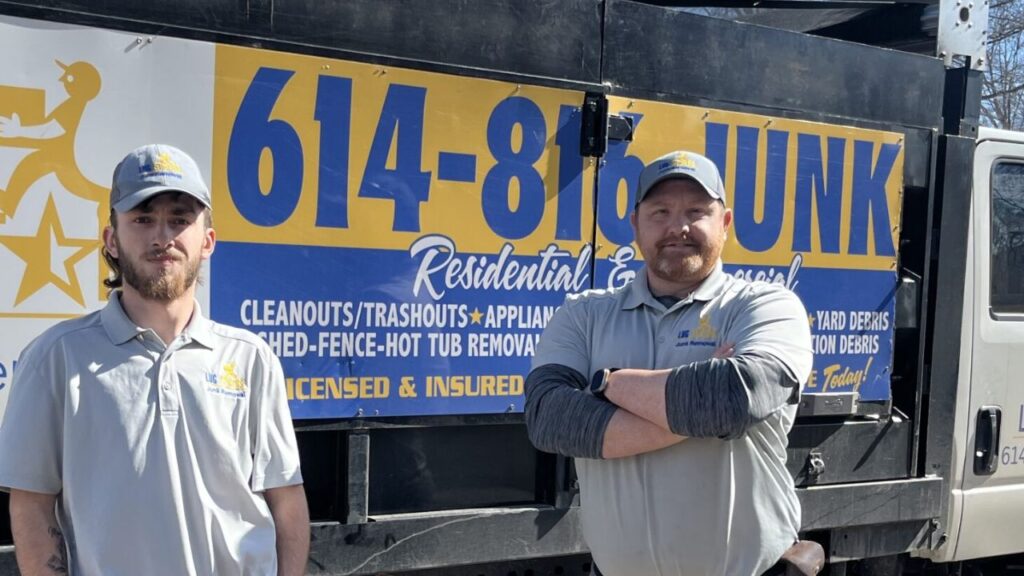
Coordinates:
(229, 378)
(704, 329)
(227, 382)
(678, 160)
(683, 161)
(163, 165)
(44, 145)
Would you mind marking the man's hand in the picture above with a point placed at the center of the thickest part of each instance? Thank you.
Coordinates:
(291, 521)
(642, 392)
(628, 435)
(726, 350)
(38, 540)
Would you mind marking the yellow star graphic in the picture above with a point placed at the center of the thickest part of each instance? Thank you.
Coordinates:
(475, 315)
(47, 250)
(810, 319)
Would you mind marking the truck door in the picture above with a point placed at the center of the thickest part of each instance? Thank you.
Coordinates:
(992, 487)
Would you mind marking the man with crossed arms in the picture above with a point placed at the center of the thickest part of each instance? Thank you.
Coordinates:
(680, 434)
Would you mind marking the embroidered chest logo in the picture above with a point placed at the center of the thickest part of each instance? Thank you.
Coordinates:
(227, 382)
(703, 335)
(704, 330)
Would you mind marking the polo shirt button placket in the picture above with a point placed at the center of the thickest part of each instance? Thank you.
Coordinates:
(166, 367)
(168, 398)
(665, 330)
(168, 395)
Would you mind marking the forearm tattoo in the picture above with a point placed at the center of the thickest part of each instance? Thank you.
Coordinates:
(58, 562)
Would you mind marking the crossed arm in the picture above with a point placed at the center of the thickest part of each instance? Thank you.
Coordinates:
(646, 410)
(633, 420)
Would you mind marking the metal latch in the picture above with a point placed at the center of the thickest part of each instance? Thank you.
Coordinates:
(815, 466)
(597, 127)
(828, 404)
(908, 300)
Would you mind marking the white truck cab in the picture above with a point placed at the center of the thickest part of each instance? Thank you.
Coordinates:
(987, 475)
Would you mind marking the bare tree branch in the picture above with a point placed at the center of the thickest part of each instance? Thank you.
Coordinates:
(1002, 97)
(1003, 92)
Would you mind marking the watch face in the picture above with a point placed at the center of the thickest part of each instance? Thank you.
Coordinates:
(597, 382)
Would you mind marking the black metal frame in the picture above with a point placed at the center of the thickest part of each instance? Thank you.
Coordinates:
(497, 39)
(875, 471)
(646, 56)
(940, 360)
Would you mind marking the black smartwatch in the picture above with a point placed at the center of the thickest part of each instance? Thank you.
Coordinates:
(599, 382)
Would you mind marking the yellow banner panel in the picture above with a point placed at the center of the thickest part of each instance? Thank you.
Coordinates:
(319, 152)
(831, 194)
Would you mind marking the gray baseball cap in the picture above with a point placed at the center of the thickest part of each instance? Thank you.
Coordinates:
(682, 164)
(152, 170)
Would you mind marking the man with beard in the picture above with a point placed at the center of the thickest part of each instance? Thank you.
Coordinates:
(680, 435)
(145, 438)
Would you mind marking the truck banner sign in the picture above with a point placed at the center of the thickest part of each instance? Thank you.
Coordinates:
(400, 237)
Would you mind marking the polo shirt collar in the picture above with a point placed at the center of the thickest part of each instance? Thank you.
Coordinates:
(639, 293)
(711, 285)
(116, 323)
(120, 328)
(200, 328)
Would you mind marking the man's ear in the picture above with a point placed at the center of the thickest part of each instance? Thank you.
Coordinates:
(108, 241)
(209, 243)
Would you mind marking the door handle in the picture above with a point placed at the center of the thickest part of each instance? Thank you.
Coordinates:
(986, 440)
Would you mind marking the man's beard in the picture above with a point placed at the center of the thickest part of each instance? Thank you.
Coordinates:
(159, 287)
(689, 269)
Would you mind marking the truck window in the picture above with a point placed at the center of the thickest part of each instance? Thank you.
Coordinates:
(1008, 238)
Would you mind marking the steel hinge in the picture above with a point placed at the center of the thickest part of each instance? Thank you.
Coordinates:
(597, 127)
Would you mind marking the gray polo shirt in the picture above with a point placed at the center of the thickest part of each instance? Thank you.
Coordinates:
(708, 506)
(159, 453)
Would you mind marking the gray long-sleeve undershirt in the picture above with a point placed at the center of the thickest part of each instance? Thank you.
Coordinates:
(723, 397)
(715, 398)
(561, 417)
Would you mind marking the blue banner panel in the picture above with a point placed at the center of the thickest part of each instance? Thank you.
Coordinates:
(389, 333)
(371, 332)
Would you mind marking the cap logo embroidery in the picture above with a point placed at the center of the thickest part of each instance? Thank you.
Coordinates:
(163, 165)
(679, 161)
